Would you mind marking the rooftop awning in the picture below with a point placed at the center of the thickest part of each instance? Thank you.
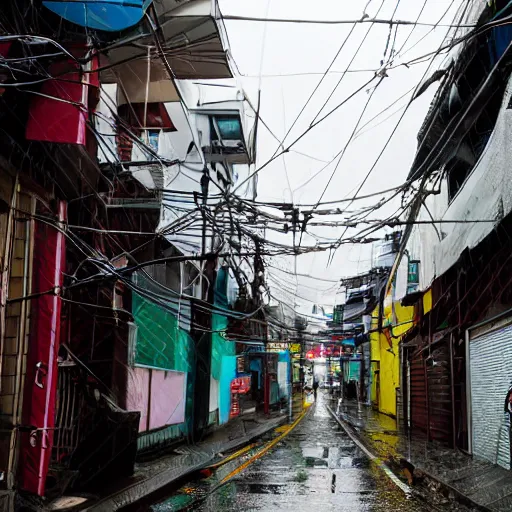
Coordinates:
(133, 77)
(192, 41)
(364, 301)
(354, 310)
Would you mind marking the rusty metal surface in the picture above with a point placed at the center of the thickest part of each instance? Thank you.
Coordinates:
(418, 393)
(439, 393)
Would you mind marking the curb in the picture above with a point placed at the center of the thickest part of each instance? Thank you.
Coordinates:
(444, 488)
(450, 492)
(142, 489)
(356, 439)
(267, 447)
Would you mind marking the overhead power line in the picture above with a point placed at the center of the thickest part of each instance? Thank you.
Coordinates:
(316, 278)
(378, 21)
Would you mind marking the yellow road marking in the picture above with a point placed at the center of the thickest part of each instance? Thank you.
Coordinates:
(264, 450)
(232, 456)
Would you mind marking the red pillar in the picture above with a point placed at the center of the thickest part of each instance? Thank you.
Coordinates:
(41, 376)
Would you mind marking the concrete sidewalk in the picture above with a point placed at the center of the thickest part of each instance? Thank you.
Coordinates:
(149, 477)
(476, 483)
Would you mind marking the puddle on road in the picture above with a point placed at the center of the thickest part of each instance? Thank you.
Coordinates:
(316, 452)
(313, 462)
(261, 488)
(314, 469)
(195, 490)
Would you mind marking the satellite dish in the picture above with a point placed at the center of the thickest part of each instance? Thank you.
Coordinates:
(107, 15)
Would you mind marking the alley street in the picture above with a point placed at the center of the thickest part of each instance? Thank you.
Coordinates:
(317, 467)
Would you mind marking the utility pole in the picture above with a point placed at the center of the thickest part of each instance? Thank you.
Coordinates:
(300, 327)
(201, 329)
(290, 386)
(202, 336)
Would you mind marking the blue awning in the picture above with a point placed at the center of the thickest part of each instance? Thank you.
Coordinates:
(107, 15)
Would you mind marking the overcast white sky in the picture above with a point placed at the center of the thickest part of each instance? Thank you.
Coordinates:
(305, 52)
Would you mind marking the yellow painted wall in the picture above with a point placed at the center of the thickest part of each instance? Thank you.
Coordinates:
(389, 377)
(404, 319)
(374, 390)
(374, 336)
(374, 356)
(386, 358)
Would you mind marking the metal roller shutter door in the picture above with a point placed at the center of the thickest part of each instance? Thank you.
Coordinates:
(440, 394)
(418, 393)
(490, 357)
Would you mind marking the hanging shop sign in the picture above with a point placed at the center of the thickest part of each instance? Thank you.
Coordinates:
(239, 386)
(295, 348)
(241, 364)
(277, 347)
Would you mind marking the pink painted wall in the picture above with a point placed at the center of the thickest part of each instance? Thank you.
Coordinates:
(168, 397)
(137, 391)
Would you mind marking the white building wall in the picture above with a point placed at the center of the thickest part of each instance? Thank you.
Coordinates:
(486, 195)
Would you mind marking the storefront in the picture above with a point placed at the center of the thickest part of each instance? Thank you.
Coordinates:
(351, 371)
(351, 363)
(295, 355)
(257, 382)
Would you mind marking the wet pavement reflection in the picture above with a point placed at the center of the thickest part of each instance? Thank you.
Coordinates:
(315, 468)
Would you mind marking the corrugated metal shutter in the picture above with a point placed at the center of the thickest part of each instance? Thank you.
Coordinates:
(490, 357)
(418, 392)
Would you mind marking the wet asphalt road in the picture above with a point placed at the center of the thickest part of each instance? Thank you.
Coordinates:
(315, 468)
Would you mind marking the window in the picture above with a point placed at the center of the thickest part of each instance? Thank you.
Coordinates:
(457, 172)
(473, 144)
(225, 128)
(157, 116)
(132, 120)
(462, 144)
(225, 141)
